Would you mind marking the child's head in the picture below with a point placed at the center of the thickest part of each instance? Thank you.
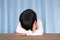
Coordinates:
(27, 19)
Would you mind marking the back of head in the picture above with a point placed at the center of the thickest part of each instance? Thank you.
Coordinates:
(27, 19)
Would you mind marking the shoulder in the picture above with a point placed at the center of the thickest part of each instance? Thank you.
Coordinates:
(39, 25)
(39, 21)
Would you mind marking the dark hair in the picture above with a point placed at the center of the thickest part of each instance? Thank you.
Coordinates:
(27, 19)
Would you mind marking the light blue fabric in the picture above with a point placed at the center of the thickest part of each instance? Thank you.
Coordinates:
(47, 10)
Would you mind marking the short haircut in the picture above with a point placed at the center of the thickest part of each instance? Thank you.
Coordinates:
(27, 19)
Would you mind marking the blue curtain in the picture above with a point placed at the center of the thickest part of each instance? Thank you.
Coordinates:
(47, 10)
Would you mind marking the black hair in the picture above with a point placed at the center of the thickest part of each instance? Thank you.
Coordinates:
(27, 19)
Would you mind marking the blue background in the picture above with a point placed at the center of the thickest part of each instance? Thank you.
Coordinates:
(47, 10)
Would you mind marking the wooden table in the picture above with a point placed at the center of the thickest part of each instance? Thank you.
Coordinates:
(20, 37)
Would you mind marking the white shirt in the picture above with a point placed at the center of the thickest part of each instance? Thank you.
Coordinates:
(39, 30)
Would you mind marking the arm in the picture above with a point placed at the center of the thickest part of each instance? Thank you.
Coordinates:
(40, 27)
(39, 30)
(19, 29)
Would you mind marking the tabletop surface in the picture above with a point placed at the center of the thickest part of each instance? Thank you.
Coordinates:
(21, 37)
